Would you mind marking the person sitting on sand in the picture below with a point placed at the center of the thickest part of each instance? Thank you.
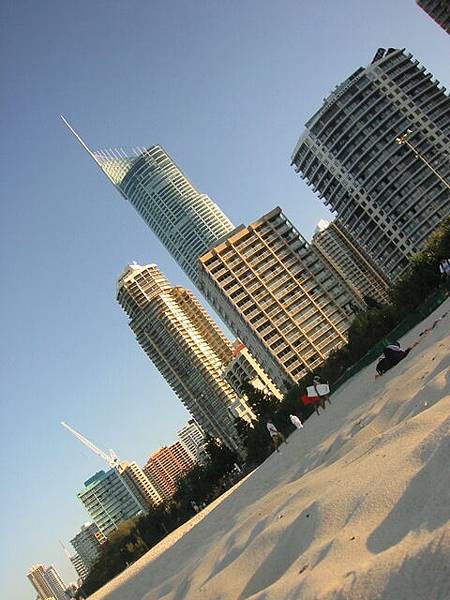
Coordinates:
(277, 437)
(296, 421)
(393, 354)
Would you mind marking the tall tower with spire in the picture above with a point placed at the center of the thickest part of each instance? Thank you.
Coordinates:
(185, 221)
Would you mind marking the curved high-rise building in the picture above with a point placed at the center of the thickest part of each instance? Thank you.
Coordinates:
(387, 199)
(185, 221)
(185, 345)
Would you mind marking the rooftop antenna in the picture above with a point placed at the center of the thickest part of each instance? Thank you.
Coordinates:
(111, 459)
(88, 150)
(66, 552)
(79, 138)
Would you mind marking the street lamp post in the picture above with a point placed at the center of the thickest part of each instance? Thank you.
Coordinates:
(404, 139)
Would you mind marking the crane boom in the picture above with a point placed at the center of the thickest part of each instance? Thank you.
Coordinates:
(111, 458)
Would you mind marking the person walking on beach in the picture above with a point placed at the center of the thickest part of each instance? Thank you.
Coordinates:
(323, 397)
(277, 437)
(444, 268)
(296, 422)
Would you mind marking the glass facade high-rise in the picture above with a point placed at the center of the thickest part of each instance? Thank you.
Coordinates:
(79, 566)
(109, 500)
(386, 199)
(185, 220)
(87, 544)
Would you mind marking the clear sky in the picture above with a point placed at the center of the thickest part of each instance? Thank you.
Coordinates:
(225, 87)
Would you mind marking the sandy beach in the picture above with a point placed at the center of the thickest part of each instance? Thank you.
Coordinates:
(355, 507)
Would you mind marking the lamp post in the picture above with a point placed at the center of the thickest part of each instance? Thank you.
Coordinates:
(404, 139)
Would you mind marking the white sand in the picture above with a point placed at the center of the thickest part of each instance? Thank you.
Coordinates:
(356, 506)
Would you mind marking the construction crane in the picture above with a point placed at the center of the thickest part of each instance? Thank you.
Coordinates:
(111, 459)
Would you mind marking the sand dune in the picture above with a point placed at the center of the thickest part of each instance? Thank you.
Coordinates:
(355, 507)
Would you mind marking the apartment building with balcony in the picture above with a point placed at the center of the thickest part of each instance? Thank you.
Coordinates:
(185, 345)
(166, 465)
(349, 262)
(388, 200)
(278, 296)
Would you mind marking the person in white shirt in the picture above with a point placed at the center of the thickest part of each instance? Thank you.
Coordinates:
(444, 267)
(296, 422)
(277, 437)
(323, 397)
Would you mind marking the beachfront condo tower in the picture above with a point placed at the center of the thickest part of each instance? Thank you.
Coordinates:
(184, 343)
(349, 262)
(378, 155)
(87, 544)
(192, 438)
(110, 501)
(278, 296)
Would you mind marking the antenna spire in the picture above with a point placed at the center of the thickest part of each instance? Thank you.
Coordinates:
(92, 154)
(79, 138)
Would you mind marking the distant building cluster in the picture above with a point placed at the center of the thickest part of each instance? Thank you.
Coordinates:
(289, 302)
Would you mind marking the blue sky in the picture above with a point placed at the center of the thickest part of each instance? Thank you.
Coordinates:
(225, 87)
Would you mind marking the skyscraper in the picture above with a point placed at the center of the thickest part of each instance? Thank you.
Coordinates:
(185, 221)
(87, 544)
(79, 566)
(386, 199)
(244, 369)
(184, 343)
(166, 465)
(349, 261)
(139, 483)
(192, 438)
(277, 296)
(439, 10)
(47, 582)
(110, 501)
